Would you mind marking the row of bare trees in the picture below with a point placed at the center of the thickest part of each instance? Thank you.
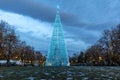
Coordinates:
(11, 48)
(106, 51)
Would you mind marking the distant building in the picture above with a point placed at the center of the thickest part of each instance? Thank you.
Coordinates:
(57, 54)
(16, 62)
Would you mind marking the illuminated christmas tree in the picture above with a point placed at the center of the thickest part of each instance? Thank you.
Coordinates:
(57, 54)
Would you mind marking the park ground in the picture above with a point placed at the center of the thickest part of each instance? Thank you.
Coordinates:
(60, 73)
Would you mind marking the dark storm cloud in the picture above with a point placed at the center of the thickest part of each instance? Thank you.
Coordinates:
(88, 33)
(28, 7)
(88, 36)
(38, 10)
(99, 27)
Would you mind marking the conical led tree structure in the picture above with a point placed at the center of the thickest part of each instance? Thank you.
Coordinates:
(57, 54)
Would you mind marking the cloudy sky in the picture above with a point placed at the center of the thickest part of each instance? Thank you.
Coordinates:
(83, 20)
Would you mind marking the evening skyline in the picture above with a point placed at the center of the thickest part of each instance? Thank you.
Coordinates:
(83, 21)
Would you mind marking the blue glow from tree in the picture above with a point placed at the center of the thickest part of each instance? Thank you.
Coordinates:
(57, 54)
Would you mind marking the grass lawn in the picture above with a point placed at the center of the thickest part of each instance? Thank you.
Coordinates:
(60, 73)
